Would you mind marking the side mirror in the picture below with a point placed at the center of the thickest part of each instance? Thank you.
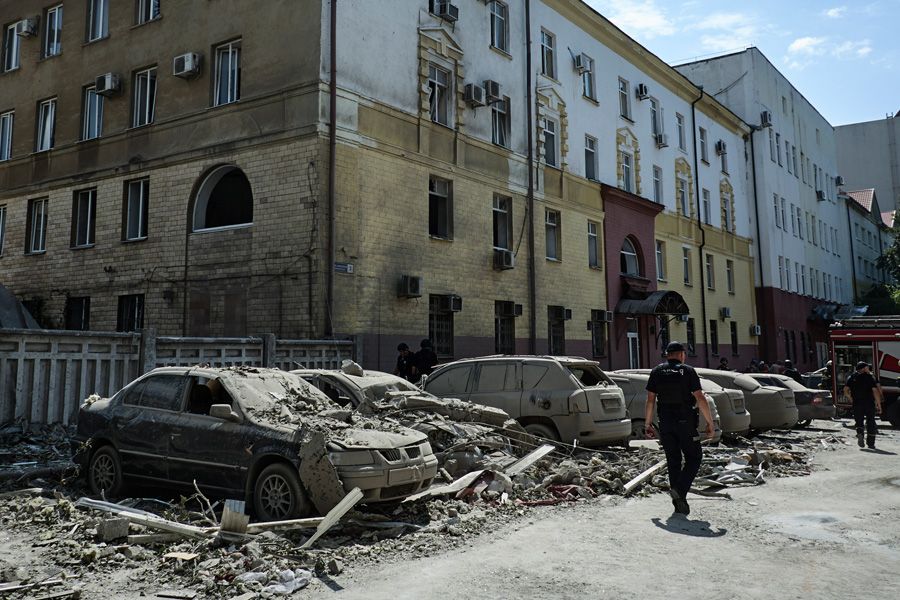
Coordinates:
(223, 411)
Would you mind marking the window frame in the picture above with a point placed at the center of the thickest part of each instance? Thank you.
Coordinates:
(83, 306)
(87, 92)
(588, 80)
(499, 11)
(591, 166)
(660, 260)
(655, 120)
(707, 206)
(143, 203)
(103, 32)
(501, 217)
(556, 332)
(628, 256)
(12, 47)
(681, 187)
(549, 128)
(440, 327)
(144, 11)
(233, 49)
(710, 264)
(686, 267)
(729, 275)
(594, 245)
(52, 46)
(500, 123)
(437, 197)
(440, 92)
(7, 125)
(2, 228)
(553, 225)
(504, 330)
(548, 54)
(147, 112)
(704, 146)
(713, 337)
(83, 234)
(46, 133)
(680, 129)
(36, 229)
(135, 313)
(624, 99)
(627, 171)
(657, 184)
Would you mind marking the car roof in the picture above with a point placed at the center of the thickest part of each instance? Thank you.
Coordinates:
(559, 359)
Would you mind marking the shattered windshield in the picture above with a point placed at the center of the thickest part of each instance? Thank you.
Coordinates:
(375, 388)
(589, 375)
(271, 395)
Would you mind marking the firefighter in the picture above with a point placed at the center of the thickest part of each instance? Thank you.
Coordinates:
(675, 388)
(865, 391)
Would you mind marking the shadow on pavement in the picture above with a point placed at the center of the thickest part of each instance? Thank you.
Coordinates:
(878, 451)
(683, 526)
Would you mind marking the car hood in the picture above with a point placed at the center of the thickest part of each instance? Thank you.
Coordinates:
(365, 439)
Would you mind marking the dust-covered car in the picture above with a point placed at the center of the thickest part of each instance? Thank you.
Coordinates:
(560, 398)
(260, 434)
(811, 403)
(770, 407)
(634, 386)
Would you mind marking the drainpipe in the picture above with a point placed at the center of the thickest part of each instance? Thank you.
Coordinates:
(852, 253)
(532, 283)
(702, 230)
(332, 165)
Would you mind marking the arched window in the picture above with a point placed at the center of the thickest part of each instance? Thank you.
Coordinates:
(223, 200)
(630, 263)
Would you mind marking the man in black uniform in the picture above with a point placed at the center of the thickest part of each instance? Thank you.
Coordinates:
(790, 371)
(425, 358)
(865, 391)
(406, 363)
(675, 387)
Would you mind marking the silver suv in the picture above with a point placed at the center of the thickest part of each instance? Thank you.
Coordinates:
(560, 398)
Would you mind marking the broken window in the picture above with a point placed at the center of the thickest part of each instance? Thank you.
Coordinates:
(144, 101)
(440, 326)
(77, 313)
(500, 122)
(224, 199)
(130, 313)
(440, 215)
(163, 392)
(439, 95)
(598, 337)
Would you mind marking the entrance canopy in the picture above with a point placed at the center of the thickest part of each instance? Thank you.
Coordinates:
(660, 302)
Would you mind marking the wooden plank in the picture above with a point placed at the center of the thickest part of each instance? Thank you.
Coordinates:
(334, 515)
(637, 481)
(528, 460)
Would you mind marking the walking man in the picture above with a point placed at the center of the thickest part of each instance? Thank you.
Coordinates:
(865, 391)
(674, 391)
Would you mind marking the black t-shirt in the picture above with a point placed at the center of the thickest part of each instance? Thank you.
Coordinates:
(793, 374)
(425, 361)
(405, 365)
(861, 387)
(674, 384)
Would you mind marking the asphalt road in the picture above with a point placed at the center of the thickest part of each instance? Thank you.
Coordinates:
(832, 535)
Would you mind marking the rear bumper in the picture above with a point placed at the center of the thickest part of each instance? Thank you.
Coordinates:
(735, 423)
(599, 433)
(816, 411)
(779, 417)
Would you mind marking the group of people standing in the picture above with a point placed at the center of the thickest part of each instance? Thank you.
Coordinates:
(779, 367)
(413, 366)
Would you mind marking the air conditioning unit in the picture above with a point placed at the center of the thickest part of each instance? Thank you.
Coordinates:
(447, 11)
(187, 65)
(838, 181)
(410, 287)
(453, 303)
(683, 318)
(641, 91)
(662, 140)
(27, 27)
(725, 312)
(755, 330)
(720, 148)
(108, 84)
(474, 95)
(765, 119)
(582, 63)
(504, 259)
(820, 195)
(492, 91)
(509, 309)
(559, 313)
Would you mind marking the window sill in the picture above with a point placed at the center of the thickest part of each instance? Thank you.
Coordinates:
(597, 268)
(13, 70)
(230, 102)
(593, 101)
(35, 253)
(550, 78)
(135, 127)
(147, 22)
(626, 118)
(546, 164)
(688, 284)
(731, 293)
(662, 280)
(223, 228)
(91, 42)
(135, 240)
(430, 120)
(36, 152)
(82, 247)
(704, 161)
(440, 238)
(501, 52)
(43, 59)
(88, 140)
(553, 260)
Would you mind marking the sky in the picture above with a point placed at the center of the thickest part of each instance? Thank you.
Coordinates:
(843, 56)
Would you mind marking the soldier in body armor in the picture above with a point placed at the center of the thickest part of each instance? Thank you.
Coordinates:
(674, 391)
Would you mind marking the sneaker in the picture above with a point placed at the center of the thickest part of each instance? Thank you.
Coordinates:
(682, 506)
(675, 498)
(859, 440)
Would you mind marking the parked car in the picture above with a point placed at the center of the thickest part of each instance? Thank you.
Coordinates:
(734, 418)
(634, 386)
(770, 407)
(811, 403)
(558, 398)
(237, 433)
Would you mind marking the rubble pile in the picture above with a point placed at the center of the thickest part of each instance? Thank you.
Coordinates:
(30, 453)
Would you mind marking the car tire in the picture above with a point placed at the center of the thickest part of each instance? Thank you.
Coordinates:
(105, 472)
(278, 495)
(542, 431)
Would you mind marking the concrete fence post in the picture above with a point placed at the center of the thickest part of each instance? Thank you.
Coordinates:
(148, 350)
(268, 354)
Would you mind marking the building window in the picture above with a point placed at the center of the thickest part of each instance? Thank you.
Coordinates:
(6, 130)
(593, 246)
(781, 272)
(590, 158)
(556, 330)
(655, 117)
(98, 19)
(710, 272)
(552, 227)
(707, 209)
(683, 203)
(714, 337)
(679, 126)
(550, 142)
(92, 114)
(665, 335)
(499, 30)
(660, 260)
(147, 10)
(657, 185)
(814, 230)
(800, 222)
(598, 334)
(224, 199)
(629, 262)
(11, 47)
(787, 273)
(691, 335)
(587, 78)
(787, 155)
(500, 122)
(771, 144)
(794, 159)
(784, 214)
(36, 228)
(440, 214)
(2, 227)
(734, 338)
(504, 328)
(729, 275)
(627, 172)
(440, 325)
(502, 223)
(793, 346)
(144, 97)
(84, 218)
(439, 95)
(137, 205)
(624, 99)
(803, 166)
(778, 147)
(228, 73)
(53, 31)
(724, 158)
(704, 146)
(548, 56)
(777, 212)
(796, 277)
(77, 313)
(803, 279)
(131, 313)
(726, 215)
(686, 265)
(46, 131)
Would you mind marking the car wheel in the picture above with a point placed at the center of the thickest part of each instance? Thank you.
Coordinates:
(105, 472)
(637, 430)
(542, 431)
(278, 496)
(803, 423)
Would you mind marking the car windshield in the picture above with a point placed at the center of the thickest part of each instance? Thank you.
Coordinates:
(375, 388)
(266, 394)
(588, 375)
(772, 381)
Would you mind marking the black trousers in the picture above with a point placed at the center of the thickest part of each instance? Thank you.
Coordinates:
(864, 413)
(681, 443)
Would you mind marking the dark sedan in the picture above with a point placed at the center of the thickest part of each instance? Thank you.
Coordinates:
(260, 434)
(811, 403)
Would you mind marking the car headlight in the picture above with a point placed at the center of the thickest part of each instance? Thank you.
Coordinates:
(348, 458)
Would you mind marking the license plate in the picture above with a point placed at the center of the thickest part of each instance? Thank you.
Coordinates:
(401, 476)
(610, 404)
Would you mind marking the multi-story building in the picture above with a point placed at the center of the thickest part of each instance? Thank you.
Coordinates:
(869, 232)
(869, 157)
(481, 184)
(803, 271)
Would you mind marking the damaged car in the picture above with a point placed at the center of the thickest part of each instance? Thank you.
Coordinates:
(263, 435)
(811, 403)
(770, 407)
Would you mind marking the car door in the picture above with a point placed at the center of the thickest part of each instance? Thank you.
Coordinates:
(498, 384)
(452, 382)
(144, 422)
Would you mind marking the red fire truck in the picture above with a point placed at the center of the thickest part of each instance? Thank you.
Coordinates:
(875, 340)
